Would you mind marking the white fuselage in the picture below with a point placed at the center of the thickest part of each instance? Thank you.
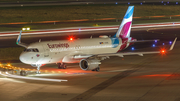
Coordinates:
(63, 51)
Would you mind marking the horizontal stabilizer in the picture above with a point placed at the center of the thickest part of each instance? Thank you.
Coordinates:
(143, 41)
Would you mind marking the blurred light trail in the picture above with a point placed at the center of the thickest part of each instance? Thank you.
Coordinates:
(31, 78)
(77, 29)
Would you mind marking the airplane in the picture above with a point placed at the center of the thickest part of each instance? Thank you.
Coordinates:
(87, 52)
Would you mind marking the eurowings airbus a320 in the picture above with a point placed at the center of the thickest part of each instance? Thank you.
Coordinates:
(87, 52)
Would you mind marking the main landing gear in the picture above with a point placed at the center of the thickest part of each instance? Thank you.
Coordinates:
(38, 68)
(96, 69)
(61, 66)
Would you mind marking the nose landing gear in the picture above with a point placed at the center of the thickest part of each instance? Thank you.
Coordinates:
(38, 68)
(23, 73)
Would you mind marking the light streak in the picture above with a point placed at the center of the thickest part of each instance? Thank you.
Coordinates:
(75, 29)
(30, 78)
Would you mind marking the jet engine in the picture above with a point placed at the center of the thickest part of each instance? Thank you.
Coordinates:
(89, 64)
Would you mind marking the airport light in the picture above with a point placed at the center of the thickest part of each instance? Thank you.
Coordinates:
(170, 42)
(26, 29)
(8, 64)
(132, 48)
(23, 29)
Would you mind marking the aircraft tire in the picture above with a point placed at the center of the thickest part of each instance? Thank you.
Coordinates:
(38, 72)
(23, 73)
(97, 69)
(59, 66)
(64, 66)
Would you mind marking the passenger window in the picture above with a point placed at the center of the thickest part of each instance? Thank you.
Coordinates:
(37, 50)
(31, 50)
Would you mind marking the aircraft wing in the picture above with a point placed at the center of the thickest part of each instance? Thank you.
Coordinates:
(122, 54)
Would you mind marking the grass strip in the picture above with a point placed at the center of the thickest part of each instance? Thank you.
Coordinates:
(76, 12)
(11, 53)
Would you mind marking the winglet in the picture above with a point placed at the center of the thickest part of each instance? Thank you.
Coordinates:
(172, 46)
(19, 38)
(18, 41)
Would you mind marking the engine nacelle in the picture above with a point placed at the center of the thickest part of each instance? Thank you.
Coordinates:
(89, 64)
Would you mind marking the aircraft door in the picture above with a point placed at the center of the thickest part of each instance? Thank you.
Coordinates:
(46, 51)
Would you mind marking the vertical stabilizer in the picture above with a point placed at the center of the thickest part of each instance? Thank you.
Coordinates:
(125, 27)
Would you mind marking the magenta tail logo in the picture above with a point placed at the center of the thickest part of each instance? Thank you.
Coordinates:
(125, 26)
(125, 30)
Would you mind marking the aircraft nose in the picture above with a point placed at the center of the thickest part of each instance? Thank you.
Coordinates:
(26, 58)
(23, 57)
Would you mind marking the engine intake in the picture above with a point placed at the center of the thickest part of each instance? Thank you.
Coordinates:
(89, 64)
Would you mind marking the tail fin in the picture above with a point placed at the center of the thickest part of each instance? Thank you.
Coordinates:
(125, 27)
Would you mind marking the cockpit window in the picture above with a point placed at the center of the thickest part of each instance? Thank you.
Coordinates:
(31, 50)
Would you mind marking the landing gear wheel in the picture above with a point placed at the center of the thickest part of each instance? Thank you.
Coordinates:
(96, 69)
(23, 73)
(61, 66)
(38, 72)
(64, 66)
